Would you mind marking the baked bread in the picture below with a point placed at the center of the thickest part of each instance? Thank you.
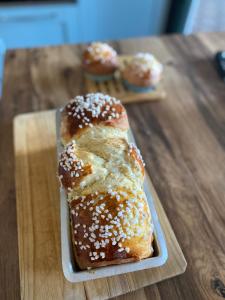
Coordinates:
(103, 176)
(100, 59)
(92, 116)
(143, 71)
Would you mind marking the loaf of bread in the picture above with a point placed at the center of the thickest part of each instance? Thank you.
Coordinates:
(103, 176)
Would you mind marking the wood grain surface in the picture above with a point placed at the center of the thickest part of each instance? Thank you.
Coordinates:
(182, 140)
(38, 219)
(116, 88)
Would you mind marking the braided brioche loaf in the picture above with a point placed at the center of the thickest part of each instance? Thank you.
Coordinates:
(103, 176)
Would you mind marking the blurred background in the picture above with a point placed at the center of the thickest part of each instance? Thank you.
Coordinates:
(39, 23)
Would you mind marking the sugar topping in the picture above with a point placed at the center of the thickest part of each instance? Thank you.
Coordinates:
(100, 52)
(116, 228)
(70, 162)
(143, 62)
(131, 148)
(93, 107)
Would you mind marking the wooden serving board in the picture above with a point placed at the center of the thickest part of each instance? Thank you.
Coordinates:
(38, 218)
(116, 88)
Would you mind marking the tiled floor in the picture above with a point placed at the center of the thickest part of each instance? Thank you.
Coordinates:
(210, 16)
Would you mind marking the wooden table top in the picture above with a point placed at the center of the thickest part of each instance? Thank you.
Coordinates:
(182, 139)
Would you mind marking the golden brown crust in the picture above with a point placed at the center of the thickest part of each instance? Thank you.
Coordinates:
(143, 70)
(83, 112)
(103, 176)
(110, 228)
(142, 80)
(71, 169)
(97, 68)
(100, 59)
(135, 154)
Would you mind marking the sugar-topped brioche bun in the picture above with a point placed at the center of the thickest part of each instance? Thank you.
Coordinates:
(111, 227)
(100, 59)
(143, 70)
(90, 166)
(95, 114)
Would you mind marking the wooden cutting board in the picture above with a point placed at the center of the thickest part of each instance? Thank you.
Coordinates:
(116, 88)
(38, 218)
